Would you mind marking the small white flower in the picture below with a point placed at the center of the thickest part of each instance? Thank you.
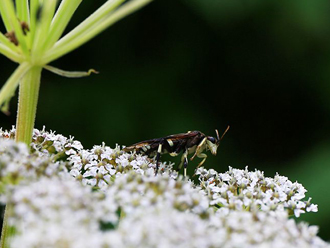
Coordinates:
(312, 208)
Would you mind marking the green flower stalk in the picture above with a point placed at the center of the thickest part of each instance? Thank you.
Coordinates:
(33, 40)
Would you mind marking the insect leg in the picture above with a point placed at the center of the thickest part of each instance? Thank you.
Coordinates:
(200, 155)
(185, 164)
(159, 151)
(203, 156)
(200, 145)
(184, 161)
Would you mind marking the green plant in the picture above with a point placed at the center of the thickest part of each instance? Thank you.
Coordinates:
(33, 40)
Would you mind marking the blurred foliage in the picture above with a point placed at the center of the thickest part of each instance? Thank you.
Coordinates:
(262, 67)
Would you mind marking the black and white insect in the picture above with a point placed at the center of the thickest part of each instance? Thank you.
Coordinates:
(191, 142)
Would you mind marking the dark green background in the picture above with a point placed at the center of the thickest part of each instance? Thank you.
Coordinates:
(262, 67)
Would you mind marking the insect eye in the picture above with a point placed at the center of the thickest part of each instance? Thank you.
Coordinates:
(211, 139)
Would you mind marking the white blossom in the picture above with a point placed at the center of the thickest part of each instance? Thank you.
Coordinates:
(58, 212)
(243, 189)
(264, 229)
(48, 143)
(17, 164)
(101, 164)
(133, 190)
(65, 196)
(163, 228)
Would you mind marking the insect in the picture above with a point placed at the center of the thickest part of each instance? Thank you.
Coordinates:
(191, 142)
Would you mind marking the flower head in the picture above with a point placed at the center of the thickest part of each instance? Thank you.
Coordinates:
(104, 197)
(251, 190)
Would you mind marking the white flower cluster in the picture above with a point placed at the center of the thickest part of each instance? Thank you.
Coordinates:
(48, 143)
(106, 198)
(102, 164)
(264, 229)
(58, 212)
(57, 144)
(133, 191)
(247, 190)
(169, 228)
(17, 164)
(64, 213)
(164, 228)
(12, 156)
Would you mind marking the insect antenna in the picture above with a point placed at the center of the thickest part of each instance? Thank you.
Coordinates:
(219, 139)
(224, 132)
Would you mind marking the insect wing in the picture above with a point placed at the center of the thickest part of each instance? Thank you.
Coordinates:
(144, 145)
(182, 136)
(150, 146)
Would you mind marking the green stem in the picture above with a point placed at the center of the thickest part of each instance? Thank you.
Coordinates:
(27, 104)
(7, 231)
(27, 108)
